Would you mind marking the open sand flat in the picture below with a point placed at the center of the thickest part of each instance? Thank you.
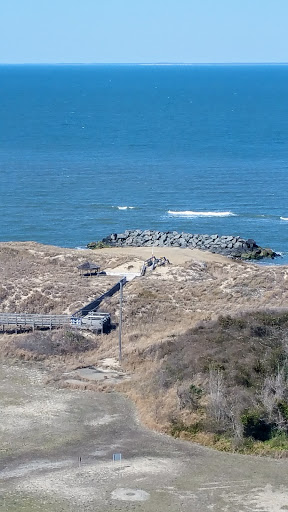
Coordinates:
(176, 255)
(142, 253)
(44, 431)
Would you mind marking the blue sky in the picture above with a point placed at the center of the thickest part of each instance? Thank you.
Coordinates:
(119, 31)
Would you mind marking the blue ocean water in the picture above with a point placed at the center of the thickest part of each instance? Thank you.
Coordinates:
(90, 150)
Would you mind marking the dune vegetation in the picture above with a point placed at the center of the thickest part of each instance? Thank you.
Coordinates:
(205, 339)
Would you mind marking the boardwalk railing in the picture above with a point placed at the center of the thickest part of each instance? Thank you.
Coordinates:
(95, 321)
(92, 306)
(23, 319)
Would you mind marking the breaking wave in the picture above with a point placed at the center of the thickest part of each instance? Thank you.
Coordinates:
(124, 207)
(284, 218)
(189, 213)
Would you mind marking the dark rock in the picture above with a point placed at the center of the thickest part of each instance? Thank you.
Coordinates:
(232, 246)
(251, 243)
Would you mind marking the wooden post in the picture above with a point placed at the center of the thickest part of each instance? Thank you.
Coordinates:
(120, 322)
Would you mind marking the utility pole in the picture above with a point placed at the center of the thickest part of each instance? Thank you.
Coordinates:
(120, 322)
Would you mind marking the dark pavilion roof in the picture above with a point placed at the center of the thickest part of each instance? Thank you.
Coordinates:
(88, 266)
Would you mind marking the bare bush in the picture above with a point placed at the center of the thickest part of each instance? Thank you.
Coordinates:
(274, 395)
(59, 342)
(217, 395)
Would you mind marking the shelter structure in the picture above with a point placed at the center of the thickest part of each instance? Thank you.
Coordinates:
(88, 268)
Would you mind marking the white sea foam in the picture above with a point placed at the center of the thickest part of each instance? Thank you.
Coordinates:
(124, 207)
(189, 213)
(284, 218)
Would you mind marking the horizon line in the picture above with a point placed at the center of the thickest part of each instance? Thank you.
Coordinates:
(163, 63)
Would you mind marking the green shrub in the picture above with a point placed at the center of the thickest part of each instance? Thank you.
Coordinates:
(178, 426)
(256, 426)
(189, 397)
(278, 441)
(98, 245)
(196, 391)
(229, 321)
(283, 408)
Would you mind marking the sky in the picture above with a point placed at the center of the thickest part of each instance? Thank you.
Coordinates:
(143, 31)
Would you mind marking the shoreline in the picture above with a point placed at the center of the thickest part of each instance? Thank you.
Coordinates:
(181, 253)
(230, 246)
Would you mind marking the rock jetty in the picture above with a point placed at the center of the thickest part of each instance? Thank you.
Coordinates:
(232, 246)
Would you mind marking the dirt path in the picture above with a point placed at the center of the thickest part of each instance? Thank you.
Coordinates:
(44, 431)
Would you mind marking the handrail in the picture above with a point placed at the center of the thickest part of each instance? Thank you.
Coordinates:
(92, 306)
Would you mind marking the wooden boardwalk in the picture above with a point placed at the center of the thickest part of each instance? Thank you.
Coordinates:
(86, 318)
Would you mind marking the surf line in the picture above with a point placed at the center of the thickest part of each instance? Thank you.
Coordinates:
(190, 213)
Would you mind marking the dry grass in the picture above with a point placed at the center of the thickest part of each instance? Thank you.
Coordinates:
(44, 279)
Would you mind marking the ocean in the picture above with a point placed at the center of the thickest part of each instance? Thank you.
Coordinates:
(87, 150)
